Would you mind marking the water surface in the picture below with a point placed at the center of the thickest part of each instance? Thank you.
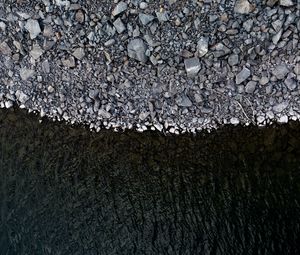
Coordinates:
(65, 190)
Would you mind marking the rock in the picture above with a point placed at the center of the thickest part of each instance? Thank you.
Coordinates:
(137, 50)
(281, 106)
(243, 7)
(286, 3)
(22, 97)
(277, 36)
(145, 18)
(119, 25)
(33, 27)
(242, 75)
(162, 16)
(220, 50)
(26, 73)
(78, 53)
(202, 46)
(120, 8)
(280, 71)
(297, 69)
(283, 119)
(234, 121)
(263, 80)
(290, 83)
(5, 49)
(79, 16)
(36, 51)
(250, 87)
(184, 101)
(233, 59)
(192, 66)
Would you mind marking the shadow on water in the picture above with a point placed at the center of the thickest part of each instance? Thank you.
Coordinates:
(64, 190)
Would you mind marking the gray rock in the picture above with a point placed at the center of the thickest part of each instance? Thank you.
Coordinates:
(192, 66)
(202, 46)
(184, 101)
(120, 8)
(36, 51)
(248, 24)
(280, 71)
(119, 25)
(286, 3)
(162, 16)
(234, 121)
(26, 73)
(243, 7)
(5, 49)
(145, 18)
(78, 53)
(297, 69)
(277, 36)
(221, 50)
(280, 107)
(290, 83)
(242, 75)
(33, 27)
(250, 87)
(233, 59)
(263, 80)
(137, 50)
(22, 97)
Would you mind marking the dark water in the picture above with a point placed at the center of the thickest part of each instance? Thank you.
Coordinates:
(64, 190)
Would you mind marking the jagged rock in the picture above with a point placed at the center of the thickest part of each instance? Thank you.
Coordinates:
(137, 49)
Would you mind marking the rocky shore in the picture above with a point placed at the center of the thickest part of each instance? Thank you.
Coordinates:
(173, 66)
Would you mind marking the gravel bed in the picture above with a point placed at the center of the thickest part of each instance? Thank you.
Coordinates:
(173, 66)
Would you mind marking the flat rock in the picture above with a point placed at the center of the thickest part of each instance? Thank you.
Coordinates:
(120, 8)
(286, 3)
(145, 18)
(250, 87)
(33, 27)
(78, 53)
(192, 66)
(137, 50)
(242, 75)
(36, 51)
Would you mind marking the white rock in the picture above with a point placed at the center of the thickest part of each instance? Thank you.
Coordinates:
(243, 7)
(286, 3)
(234, 121)
(26, 73)
(33, 27)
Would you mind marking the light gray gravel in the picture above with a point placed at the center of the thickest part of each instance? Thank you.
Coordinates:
(173, 66)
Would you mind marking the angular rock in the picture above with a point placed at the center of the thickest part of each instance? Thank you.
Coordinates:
(243, 7)
(33, 27)
(162, 16)
(286, 3)
(184, 101)
(119, 25)
(36, 51)
(280, 107)
(202, 46)
(120, 8)
(145, 18)
(137, 50)
(192, 66)
(242, 75)
(26, 73)
(280, 71)
(5, 49)
(78, 53)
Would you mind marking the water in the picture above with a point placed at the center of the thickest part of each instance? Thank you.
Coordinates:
(65, 190)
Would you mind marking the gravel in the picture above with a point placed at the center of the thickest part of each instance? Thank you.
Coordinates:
(173, 66)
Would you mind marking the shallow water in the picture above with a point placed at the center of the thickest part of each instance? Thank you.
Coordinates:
(65, 190)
